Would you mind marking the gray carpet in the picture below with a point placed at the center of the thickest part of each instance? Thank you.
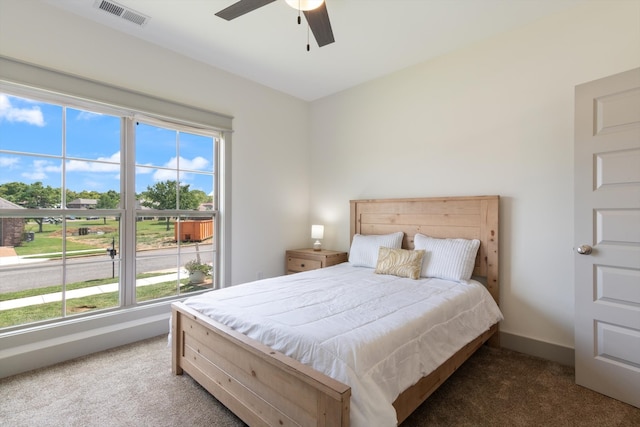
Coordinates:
(133, 386)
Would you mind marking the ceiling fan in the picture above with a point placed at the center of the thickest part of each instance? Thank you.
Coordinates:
(315, 11)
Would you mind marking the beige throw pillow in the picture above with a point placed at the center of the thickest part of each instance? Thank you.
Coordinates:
(399, 262)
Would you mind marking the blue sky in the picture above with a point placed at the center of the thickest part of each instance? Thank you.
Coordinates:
(93, 140)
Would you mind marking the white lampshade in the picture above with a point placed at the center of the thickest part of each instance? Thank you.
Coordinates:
(317, 231)
(304, 4)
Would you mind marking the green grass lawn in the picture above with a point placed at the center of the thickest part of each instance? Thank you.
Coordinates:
(49, 241)
(152, 233)
(35, 313)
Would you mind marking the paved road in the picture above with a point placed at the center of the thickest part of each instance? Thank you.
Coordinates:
(48, 273)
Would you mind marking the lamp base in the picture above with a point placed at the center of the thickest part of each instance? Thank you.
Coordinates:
(317, 246)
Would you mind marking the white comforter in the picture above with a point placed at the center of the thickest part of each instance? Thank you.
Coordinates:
(377, 333)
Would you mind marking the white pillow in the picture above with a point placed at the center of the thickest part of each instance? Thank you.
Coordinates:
(450, 259)
(364, 248)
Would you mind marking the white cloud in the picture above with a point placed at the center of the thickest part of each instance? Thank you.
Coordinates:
(85, 166)
(9, 162)
(36, 175)
(144, 170)
(115, 158)
(197, 163)
(40, 170)
(164, 175)
(87, 115)
(8, 112)
(46, 166)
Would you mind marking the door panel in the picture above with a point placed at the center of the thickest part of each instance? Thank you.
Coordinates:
(607, 218)
(618, 168)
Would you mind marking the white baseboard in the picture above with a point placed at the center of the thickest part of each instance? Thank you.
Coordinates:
(44, 346)
(541, 349)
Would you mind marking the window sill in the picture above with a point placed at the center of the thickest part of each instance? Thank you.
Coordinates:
(36, 347)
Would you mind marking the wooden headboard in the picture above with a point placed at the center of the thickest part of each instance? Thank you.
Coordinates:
(453, 217)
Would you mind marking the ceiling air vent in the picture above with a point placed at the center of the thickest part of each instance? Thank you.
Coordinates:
(121, 12)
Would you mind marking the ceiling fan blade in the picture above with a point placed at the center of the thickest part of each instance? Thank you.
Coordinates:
(318, 20)
(242, 7)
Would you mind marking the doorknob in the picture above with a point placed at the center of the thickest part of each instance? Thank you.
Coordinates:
(585, 250)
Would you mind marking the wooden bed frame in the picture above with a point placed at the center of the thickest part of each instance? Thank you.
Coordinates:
(266, 388)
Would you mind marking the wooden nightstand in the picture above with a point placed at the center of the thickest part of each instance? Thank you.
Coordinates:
(307, 259)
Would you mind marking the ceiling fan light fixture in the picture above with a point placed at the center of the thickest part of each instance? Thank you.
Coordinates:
(304, 4)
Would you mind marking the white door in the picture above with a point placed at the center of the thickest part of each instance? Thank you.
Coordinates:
(607, 236)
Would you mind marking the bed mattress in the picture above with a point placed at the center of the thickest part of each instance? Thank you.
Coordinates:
(379, 334)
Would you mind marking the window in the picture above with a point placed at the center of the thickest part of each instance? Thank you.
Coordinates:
(175, 182)
(101, 208)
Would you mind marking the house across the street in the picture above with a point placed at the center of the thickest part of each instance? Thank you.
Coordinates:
(83, 204)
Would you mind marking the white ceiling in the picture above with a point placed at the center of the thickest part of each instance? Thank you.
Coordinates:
(373, 37)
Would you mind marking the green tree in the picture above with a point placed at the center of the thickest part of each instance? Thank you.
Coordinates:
(15, 192)
(86, 194)
(108, 200)
(71, 195)
(31, 196)
(201, 197)
(164, 195)
(39, 196)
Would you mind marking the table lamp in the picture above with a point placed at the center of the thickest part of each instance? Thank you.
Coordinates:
(317, 232)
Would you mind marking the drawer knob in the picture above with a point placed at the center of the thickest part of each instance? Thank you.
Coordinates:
(301, 265)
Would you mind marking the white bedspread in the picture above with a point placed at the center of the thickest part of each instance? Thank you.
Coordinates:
(377, 333)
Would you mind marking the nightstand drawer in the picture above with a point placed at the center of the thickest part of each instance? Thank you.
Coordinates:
(301, 264)
(298, 260)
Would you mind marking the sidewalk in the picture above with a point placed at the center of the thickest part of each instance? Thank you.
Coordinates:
(7, 251)
(78, 293)
(14, 260)
(8, 256)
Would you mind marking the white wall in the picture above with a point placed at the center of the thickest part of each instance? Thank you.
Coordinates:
(270, 151)
(494, 118)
